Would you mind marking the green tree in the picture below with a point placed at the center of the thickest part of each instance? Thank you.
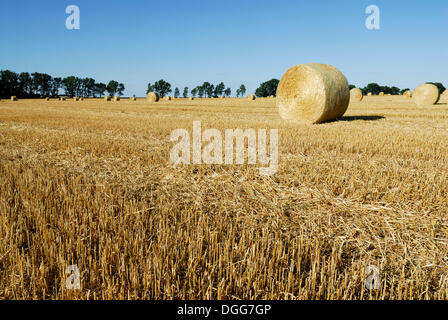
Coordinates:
(9, 84)
(162, 88)
(57, 84)
(200, 91)
(112, 87)
(176, 92)
(219, 89)
(228, 92)
(351, 86)
(25, 85)
(100, 88)
(194, 92)
(242, 90)
(120, 89)
(185, 93)
(371, 87)
(404, 90)
(70, 86)
(440, 86)
(208, 89)
(268, 88)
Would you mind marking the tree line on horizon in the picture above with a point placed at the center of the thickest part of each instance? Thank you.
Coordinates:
(375, 88)
(26, 85)
(163, 88)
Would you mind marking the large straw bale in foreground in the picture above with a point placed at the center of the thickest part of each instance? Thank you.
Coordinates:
(312, 92)
(152, 97)
(426, 94)
(356, 95)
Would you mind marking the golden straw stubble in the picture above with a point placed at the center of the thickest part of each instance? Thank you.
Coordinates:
(313, 93)
(426, 94)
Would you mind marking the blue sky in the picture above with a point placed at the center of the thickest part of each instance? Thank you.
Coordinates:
(245, 41)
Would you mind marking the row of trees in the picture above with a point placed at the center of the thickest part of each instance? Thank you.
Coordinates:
(375, 88)
(163, 88)
(25, 85)
(269, 88)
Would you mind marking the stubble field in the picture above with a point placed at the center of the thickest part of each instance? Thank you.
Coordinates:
(90, 183)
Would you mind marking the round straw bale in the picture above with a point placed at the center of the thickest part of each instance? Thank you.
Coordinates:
(152, 97)
(106, 98)
(13, 98)
(75, 99)
(356, 95)
(191, 98)
(116, 98)
(381, 94)
(407, 94)
(167, 98)
(426, 94)
(251, 97)
(61, 99)
(47, 99)
(133, 98)
(369, 94)
(312, 92)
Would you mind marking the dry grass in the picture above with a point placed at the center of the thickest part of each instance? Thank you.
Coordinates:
(91, 184)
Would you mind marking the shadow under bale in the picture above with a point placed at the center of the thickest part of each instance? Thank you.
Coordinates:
(355, 118)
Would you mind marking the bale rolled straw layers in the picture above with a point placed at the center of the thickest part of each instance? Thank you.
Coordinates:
(313, 93)
(152, 97)
(426, 94)
(251, 97)
(356, 95)
(407, 94)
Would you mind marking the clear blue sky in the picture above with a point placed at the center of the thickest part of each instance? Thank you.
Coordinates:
(247, 41)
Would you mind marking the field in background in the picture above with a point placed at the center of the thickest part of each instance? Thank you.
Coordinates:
(90, 183)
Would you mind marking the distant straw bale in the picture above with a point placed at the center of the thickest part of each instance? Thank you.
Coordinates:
(152, 97)
(356, 95)
(251, 97)
(407, 94)
(426, 94)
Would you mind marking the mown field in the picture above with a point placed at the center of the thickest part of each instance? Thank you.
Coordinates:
(90, 183)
